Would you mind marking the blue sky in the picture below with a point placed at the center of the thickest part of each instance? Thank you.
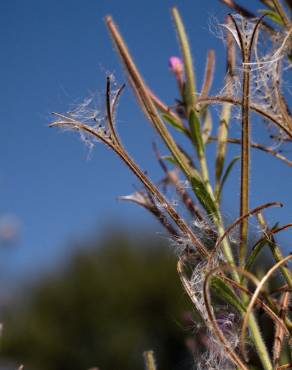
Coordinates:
(56, 53)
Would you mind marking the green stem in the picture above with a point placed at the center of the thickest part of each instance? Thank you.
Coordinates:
(190, 85)
(253, 325)
(282, 13)
(259, 343)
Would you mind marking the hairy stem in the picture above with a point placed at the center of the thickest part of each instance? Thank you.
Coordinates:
(282, 14)
(245, 159)
(144, 97)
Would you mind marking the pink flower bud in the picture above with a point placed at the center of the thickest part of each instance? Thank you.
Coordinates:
(176, 65)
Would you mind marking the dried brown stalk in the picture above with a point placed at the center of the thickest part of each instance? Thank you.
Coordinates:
(279, 332)
(237, 222)
(256, 108)
(209, 73)
(282, 14)
(114, 143)
(257, 146)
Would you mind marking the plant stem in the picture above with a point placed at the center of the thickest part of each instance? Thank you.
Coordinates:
(259, 343)
(282, 13)
(245, 159)
(146, 102)
(276, 251)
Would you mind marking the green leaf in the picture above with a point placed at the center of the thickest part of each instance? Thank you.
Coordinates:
(196, 133)
(225, 292)
(203, 196)
(207, 126)
(257, 248)
(226, 174)
(177, 125)
(254, 253)
(195, 176)
(221, 145)
(198, 187)
(273, 15)
(190, 86)
(170, 159)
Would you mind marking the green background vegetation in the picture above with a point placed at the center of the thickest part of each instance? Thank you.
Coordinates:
(112, 301)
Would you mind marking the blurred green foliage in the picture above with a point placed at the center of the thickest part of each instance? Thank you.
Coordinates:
(112, 301)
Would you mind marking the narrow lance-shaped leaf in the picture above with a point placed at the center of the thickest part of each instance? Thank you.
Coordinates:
(225, 176)
(273, 15)
(204, 197)
(169, 159)
(225, 114)
(196, 134)
(254, 253)
(282, 13)
(169, 119)
(201, 188)
(190, 86)
(225, 291)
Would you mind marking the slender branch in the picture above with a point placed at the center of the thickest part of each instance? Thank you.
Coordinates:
(254, 330)
(214, 325)
(246, 13)
(145, 100)
(110, 111)
(267, 238)
(276, 252)
(254, 107)
(121, 152)
(238, 8)
(271, 309)
(246, 50)
(282, 13)
(162, 107)
(145, 200)
(257, 146)
(237, 222)
(117, 97)
(172, 177)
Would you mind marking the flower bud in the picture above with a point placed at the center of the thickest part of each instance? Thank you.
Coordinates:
(176, 66)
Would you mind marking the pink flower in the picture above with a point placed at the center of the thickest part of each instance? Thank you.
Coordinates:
(176, 65)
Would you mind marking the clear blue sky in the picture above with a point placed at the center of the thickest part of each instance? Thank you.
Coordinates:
(55, 53)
